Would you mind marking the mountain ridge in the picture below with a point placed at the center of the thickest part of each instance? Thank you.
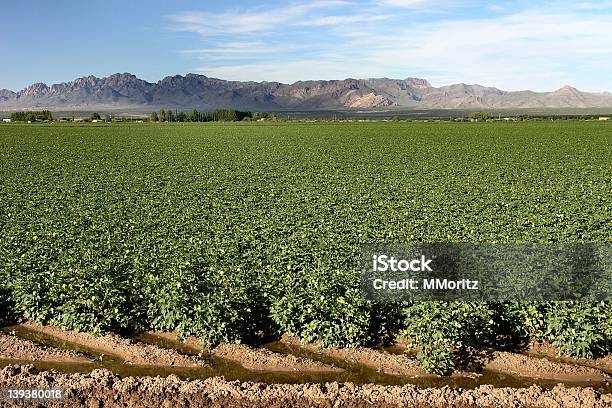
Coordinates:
(126, 90)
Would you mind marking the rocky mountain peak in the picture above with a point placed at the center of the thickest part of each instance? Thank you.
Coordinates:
(125, 90)
(418, 83)
(567, 89)
(35, 89)
(6, 94)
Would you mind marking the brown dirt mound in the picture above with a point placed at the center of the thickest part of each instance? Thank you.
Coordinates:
(382, 361)
(190, 344)
(14, 348)
(102, 388)
(266, 360)
(251, 358)
(548, 350)
(129, 351)
(526, 366)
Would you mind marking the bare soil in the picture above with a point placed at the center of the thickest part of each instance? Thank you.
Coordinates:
(545, 349)
(266, 360)
(525, 366)
(189, 344)
(101, 388)
(498, 361)
(130, 351)
(382, 361)
(15, 348)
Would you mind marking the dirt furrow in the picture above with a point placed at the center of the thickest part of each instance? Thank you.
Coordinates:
(128, 350)
(382, 361)
(266, 360)
(547, 350)
(525, 366)
(251, 358)
(103, 388)
(15, 348)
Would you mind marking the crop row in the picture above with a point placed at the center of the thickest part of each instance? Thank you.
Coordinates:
(229, 231)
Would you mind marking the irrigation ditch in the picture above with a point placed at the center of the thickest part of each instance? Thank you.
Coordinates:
(42, 356)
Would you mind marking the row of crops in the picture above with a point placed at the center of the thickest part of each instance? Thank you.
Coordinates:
(231, 231)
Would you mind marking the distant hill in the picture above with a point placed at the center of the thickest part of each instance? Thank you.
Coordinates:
(126, 91)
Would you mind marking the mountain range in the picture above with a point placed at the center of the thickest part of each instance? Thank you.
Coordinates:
(126, 91)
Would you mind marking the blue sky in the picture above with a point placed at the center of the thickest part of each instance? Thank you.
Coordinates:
(514, 45)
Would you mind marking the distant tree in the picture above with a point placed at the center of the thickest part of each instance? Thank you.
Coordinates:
(48, 115)
(230, 115)
(481, 116)
(261, 115)
(95, 116)
(223, 115)
(32, 116)
(194, 116)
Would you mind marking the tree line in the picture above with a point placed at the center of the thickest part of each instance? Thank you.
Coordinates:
(217, 115)
(31, 116)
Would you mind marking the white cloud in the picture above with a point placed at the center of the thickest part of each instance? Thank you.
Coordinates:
(246, 48)
(407, 3)
(531, 49)
(348, 19)
(524, 50)
(246, 22)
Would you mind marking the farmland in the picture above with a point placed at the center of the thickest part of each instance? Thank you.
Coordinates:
(238, 232)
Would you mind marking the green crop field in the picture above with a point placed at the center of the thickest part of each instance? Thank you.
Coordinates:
(225, 231)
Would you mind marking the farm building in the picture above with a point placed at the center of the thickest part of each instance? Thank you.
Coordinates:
(7, 120)
(604, 118)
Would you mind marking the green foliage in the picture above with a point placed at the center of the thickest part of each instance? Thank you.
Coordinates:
(200, 300)
(31, 116)
(481, 116)
(181, 117)
(437, 355)
(525, 320)
(226, 231)
(580, 329)
(62, 276)
(577, 329)
(229, 115)
(262, 115)
(7, 307)
(443, 330)
(95, 116)
(97, 299)
(218, 115)
(323, 306)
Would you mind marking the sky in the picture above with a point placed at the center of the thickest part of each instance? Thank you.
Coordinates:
(513, 45)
